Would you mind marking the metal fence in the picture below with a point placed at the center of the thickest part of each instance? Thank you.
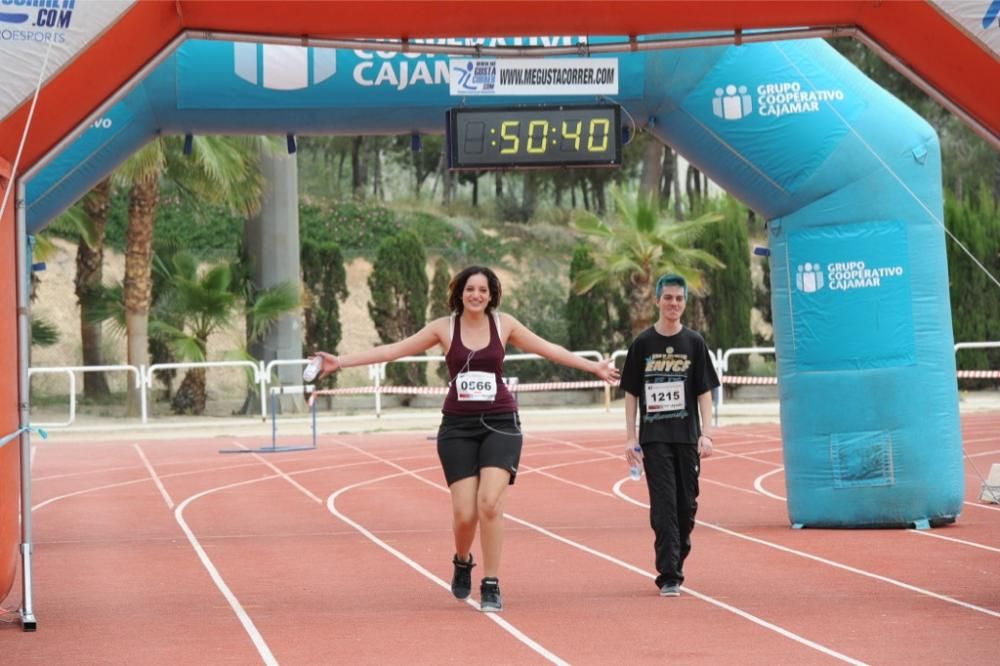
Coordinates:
(263, 377)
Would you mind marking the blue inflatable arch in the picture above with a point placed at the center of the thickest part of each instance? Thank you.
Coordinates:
(848, 177)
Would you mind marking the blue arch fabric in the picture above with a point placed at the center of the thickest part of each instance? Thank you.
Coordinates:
(848, 177)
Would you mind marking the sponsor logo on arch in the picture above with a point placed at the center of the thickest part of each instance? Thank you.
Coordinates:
(811, 277)
(736, 101)
(35, 20)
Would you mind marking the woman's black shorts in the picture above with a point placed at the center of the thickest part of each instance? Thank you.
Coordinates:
(466, 444)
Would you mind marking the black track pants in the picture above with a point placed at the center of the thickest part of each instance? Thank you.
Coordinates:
(672, 479)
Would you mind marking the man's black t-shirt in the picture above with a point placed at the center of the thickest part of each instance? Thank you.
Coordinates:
(667, 374)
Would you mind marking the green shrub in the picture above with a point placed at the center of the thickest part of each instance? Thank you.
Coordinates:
(598, 319)
(539, 303)
(356, 227)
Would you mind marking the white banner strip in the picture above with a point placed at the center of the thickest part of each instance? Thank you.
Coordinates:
(533, 76)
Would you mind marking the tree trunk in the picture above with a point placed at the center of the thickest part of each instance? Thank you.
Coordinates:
(695, 314)
(89, 275)
(378, 191)
(642, 311)
(498, 184)
(191, 397)
(667, 177)
(358, 175)
(600, 201)
(447, 182)
(652, 168)
(678, 208)
(138, 286)
(418, 178)
(340, 171)
(529, 197)
(693, 187)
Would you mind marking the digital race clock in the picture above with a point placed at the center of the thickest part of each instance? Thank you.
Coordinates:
(542, 136)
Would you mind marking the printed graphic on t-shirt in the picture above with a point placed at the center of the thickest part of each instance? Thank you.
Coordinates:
(664, 378)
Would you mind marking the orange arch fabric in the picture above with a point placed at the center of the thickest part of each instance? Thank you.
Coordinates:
(940, 51)
(10, 454)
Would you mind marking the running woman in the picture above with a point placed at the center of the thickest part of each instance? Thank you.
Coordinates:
(479, 440)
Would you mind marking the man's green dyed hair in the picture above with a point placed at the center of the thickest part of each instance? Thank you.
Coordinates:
(671, 279)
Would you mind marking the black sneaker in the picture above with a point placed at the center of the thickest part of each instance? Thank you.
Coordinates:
(461, 580)
(489, 596)
(670, 590)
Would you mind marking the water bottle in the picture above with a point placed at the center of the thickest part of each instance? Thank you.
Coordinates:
(635, 470)
(313, 369)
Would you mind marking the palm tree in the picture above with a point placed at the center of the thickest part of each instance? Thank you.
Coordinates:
(218, 170)
(199, 303)
(634, 245)
(89, 217)
(43, 332)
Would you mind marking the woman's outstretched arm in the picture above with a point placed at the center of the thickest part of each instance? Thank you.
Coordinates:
(525, 340)
(430, 335)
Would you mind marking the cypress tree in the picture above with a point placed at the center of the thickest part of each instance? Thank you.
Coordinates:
(439, 301)
(325, 279)
(729, 291)
(975, 316)
(398, 305)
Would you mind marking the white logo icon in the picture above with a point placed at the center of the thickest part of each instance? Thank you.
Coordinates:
(283, 67)
(809, 277)
(732, 102)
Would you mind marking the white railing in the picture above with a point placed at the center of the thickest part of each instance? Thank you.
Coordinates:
(262, 373)
(376, 372)
(73, 369)
(72, 396)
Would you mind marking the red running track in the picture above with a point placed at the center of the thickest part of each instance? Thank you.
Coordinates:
(166, 552)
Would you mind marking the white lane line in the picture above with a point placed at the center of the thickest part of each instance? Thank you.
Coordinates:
(331, 505)
(609, 558)
(832, 563)
(541, 471)
(954, 540)
(102, 470)
(244, 619)
(980, 505)
(251, 629)
(154, 476)
(85, 491)
(172, 475)
(758, 483)
(620, 457)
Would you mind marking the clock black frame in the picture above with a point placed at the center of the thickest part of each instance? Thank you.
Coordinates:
(583, 148)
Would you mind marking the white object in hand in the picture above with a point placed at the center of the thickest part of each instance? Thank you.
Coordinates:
(635, 470)
(312, 370)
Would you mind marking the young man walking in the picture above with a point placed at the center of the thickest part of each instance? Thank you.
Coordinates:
(668, 378)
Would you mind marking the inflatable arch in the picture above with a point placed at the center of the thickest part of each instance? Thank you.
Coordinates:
(848, 177)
